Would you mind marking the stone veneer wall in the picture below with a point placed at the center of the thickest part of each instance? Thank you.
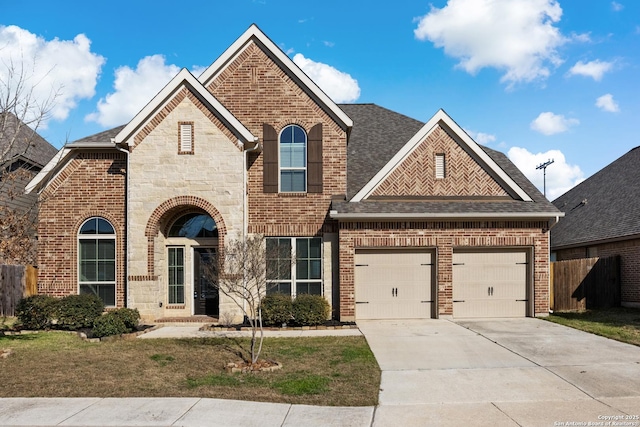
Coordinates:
(629, 251)
(444, 237)
(91, 184)
(164, 184)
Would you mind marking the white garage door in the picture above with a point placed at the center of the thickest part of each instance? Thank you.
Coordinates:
(490, 283)
(393, 283)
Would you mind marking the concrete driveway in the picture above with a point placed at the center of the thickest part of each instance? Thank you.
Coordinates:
(512, 372)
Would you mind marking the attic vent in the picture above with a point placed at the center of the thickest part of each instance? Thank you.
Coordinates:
(439, 166)
(185, 138)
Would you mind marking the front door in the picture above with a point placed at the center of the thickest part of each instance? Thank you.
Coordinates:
(205, 292)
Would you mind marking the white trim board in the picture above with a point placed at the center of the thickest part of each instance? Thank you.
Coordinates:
(418, 138)
(254, 33)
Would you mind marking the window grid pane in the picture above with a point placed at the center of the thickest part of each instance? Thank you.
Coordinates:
(97, 260)
(293, 159)
(176, 275)
(308, 265)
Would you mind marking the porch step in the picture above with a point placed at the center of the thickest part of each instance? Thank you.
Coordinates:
(190, 319)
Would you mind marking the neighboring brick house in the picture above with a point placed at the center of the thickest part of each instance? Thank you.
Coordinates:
(602, 219)
(23, 153)
(381, 214)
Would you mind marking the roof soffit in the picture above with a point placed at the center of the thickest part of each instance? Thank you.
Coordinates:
(255, 35)
(441, 118)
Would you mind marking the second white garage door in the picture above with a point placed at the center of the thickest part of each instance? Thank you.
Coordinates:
(490, 283)
(393, 283)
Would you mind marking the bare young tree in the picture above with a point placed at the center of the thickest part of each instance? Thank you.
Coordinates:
(22, 154)
(244, 271)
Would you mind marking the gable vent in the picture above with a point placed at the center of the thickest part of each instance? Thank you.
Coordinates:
(186, 138)
(439, 166)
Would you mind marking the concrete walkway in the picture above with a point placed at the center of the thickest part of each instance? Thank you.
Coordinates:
(515, 372)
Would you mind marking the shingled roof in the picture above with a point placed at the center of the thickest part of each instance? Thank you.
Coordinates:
(603, 207)
(27, 144)
(376, 137)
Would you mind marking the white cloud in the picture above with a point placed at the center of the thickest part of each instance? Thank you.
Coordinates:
(594, 69)
(515, 36)
(561, 176)
(607, 103)
(548, 123)
(617, 7)
(67, 68)
(339, 86)
(133, 90)
(481, 137)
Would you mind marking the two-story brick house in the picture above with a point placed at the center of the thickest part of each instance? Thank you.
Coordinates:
(381, 214)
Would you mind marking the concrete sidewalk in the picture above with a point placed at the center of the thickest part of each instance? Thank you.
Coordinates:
(191, 412)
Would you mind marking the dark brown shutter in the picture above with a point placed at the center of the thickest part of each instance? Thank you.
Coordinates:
(270, 159)
(314, 160)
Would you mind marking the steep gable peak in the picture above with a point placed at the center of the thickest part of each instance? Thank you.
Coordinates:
(442, 120)
(183, 79)
(254, 35)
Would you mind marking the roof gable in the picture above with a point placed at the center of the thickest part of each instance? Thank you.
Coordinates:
(441, 121)
(604, 207)
(183, 79)
(255, 35)
(19, 140)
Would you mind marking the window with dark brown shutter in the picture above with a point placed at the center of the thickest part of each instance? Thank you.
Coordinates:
(314, 162)
(270, 159)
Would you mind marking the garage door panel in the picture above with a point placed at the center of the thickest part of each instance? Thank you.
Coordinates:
(490, 283)
(393, 283)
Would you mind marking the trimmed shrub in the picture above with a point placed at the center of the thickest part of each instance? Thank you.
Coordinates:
(79, 311)
(276, 309)
(310, 310)
(36, 312)
(130, 317)
(109, 324)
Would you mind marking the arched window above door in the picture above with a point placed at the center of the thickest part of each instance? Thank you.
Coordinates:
(193, 225)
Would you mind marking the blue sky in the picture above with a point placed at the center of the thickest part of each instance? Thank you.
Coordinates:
(536, 79)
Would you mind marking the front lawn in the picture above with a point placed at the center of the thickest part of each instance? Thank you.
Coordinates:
(621, 324)
(333, 371)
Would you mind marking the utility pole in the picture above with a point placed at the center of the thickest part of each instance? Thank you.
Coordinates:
(543, 166)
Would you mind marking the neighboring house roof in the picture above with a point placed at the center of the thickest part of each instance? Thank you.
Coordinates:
(27, 145)
(256, 35)
(378, 139)
(98, 141)
(602, 208)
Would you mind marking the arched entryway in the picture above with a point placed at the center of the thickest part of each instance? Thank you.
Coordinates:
(193, 236)
(185, 234)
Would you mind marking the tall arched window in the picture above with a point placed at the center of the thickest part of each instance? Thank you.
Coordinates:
(97, 260)
(293, 159)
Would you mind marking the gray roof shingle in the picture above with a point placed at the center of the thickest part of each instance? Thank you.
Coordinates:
(378, 134)
(603, 207)
(28, 143)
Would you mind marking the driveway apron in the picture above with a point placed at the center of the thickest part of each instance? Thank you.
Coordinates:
(512, 372)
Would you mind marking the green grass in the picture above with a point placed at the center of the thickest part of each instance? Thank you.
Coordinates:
(332, 371)
(621, 324)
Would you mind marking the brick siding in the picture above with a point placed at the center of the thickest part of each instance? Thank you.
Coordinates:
(444, 237)
(91, 184)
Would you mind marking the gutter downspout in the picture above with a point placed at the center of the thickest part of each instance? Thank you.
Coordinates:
(245, 204)
(126, 213)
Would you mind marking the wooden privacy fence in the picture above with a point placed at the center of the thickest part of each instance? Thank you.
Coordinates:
(16, 282)
(580, 284)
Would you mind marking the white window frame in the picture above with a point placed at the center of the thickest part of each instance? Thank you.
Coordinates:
(97, 236)
(185, 138)
(184, 276)
(306, 161)
(293, 256)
